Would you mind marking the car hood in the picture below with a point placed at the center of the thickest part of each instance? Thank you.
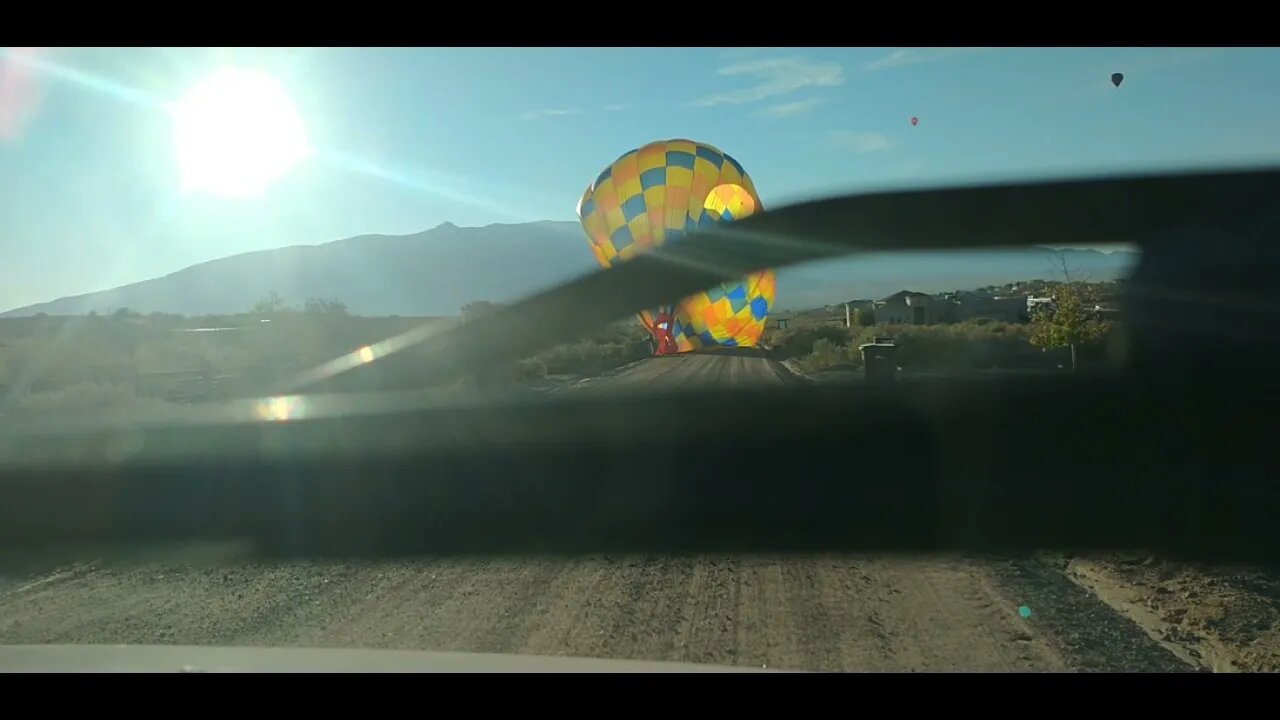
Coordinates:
(177, 658)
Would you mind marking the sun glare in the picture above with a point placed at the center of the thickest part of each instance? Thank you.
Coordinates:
(235, 133)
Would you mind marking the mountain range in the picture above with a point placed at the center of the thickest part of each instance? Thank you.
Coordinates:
(436, 272)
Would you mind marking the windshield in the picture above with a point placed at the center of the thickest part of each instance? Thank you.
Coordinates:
(185, 227)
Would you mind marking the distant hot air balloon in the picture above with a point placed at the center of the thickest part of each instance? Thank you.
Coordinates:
(914, 121)
(658, 192)
(1117, 78)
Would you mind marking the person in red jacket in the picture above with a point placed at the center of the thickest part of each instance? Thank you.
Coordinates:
(663, 334)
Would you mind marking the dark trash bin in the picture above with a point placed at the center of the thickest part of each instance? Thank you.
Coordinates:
(879, 361)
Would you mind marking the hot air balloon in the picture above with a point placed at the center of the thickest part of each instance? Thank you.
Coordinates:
(914, 121)
(1117, 78)
(658, 192)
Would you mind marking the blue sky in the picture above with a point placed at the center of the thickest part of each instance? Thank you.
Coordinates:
(90, 193)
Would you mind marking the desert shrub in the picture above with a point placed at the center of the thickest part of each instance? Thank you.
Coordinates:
(799, 341)
(530, 369)
(827, 354)
(973, 345)
(97, 397)
(589, 358)
(87, 394)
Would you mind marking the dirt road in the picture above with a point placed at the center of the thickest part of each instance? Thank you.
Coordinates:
(818, 613)
(728, 369)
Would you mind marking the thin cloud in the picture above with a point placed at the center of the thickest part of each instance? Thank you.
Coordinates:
(916, 56)
(861, 143)
(774, 77)
(538, 114)
(791, 109)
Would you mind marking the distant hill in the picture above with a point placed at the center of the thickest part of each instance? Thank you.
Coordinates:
(438, 271)
(434, 272)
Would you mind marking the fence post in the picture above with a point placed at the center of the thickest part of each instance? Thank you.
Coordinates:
(206, 379)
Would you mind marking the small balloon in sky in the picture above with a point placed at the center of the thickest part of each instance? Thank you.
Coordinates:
(915, 121)
(1117, 78)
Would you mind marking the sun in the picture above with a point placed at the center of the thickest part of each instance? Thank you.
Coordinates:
(236, 132)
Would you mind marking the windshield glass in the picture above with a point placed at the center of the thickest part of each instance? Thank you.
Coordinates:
(185, 227)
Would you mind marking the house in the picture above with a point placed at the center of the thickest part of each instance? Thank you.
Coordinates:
(1107, 310)
(1104, 310)
(910, 308)
(1002, 309)
(1038, 302)
(839, 315)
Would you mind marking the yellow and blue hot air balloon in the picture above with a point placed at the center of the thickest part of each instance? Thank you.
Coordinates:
(660, 191)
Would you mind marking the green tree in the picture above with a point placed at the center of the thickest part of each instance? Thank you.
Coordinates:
(318, 306)
(478, 308)
(864, 317)
(1070, 320)
(269, 305)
